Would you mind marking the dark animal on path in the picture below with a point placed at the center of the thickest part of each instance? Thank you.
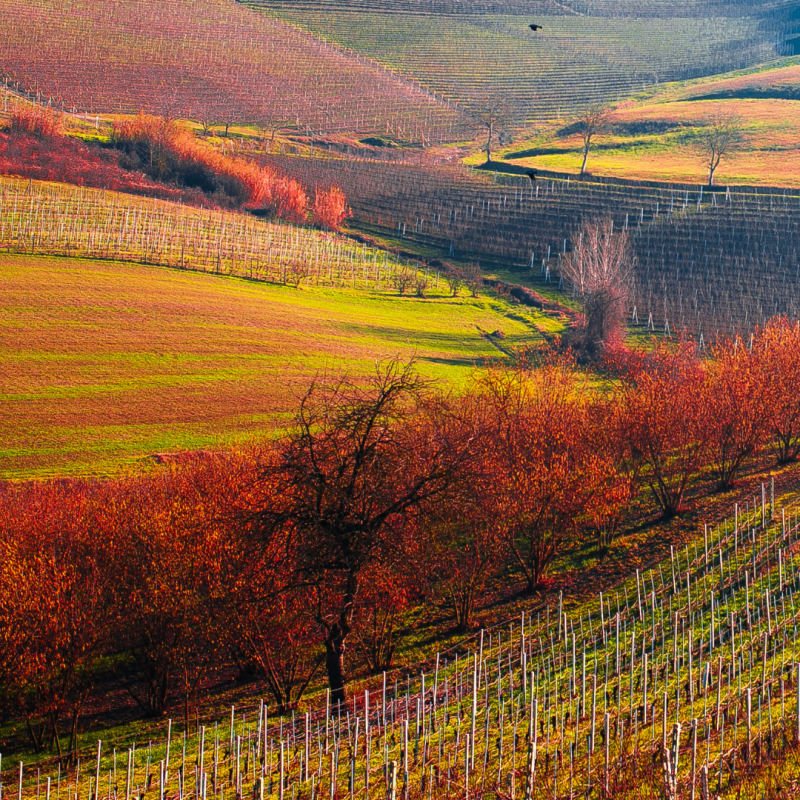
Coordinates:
(532, 175)
(534, 27)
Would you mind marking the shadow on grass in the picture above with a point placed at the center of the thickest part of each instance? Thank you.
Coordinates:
(455, 361)
(752, 93)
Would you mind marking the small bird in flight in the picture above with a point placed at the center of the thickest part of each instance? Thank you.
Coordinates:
(534, 27)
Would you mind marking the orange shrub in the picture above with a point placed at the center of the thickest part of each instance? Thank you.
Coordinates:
(40, 122)
(264, 187)
(287, 200)
(330, 208)
(777, 352)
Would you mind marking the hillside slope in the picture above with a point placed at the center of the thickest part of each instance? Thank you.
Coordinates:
(112, 361)
(209, 60)
(576, 59)
(657, 138)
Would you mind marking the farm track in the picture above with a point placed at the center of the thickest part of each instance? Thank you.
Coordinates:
(654, 9)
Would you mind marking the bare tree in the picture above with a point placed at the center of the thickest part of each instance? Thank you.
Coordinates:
(599, 272)
(590, 123)
(455, 279)
(403, 279)
(473, 278)
(494, 116)
(270, 129)
(721, 135)
(207, 122)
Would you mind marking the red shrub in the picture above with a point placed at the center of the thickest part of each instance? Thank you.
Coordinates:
(330, 208)
(287, 200)
(38, 121)
(263, 187)
(69, 161)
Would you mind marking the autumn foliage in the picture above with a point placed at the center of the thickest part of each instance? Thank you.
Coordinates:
(156, 157)
(330, 208)
(59, 158)
(777, 355)
(301, 557)
(36, 120)
(598, 271)
(167, 151)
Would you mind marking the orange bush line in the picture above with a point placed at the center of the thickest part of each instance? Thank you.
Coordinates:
(330, 208)
(266, 188)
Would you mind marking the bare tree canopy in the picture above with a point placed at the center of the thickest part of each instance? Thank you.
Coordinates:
(590, 123)
(599, 271)
(721, 135)
(494, 116)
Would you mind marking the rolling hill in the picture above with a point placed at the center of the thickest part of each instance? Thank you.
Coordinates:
(109, 362)
(208, 60)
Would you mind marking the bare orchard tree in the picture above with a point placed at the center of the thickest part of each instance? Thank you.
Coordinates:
(599, 271)
(494, 116)
(206, 124)
(589, 124)
(721, 134)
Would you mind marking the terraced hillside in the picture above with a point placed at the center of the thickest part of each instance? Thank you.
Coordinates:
(208, 60)
(708, 262)
(574, 61)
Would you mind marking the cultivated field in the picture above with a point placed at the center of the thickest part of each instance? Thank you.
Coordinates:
(574, 61)
(107, 362)
(706, 262)
(56, 219)
(652, 9)
(683, 676)
(208, 60)
(657, 139)
(479, 577)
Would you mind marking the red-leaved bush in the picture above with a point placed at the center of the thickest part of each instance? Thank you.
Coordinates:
(37, 121)
(70, 161)
(173, 150)
(330, 208)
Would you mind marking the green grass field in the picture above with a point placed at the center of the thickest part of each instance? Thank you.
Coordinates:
(106, 363)
(655, 137)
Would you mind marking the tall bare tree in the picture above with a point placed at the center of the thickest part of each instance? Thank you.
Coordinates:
(590, 123)
(599, 272)
(721, 135)
(493, 117)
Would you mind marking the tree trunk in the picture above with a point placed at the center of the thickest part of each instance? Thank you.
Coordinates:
(54, 735)
(72, 747)
(585, 158)
(334, 655)
(489, 143)
(36, 740)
